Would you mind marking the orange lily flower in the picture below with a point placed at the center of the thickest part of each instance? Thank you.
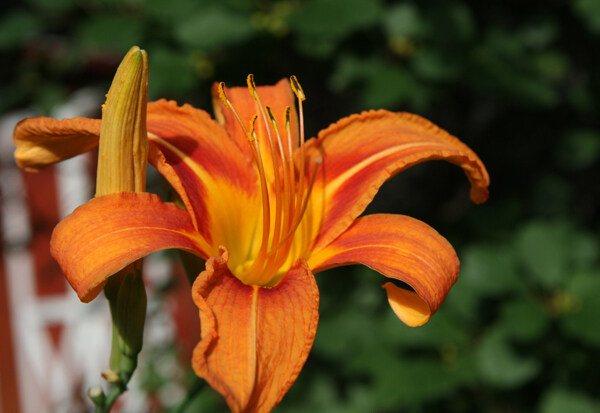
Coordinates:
(267, 210)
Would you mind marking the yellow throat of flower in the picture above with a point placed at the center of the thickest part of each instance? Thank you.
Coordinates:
(284, 198)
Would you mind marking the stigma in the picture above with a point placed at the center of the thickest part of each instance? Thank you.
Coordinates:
(285, 187)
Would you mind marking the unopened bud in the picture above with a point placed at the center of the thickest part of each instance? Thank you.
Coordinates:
(122, 161)
(123, 148)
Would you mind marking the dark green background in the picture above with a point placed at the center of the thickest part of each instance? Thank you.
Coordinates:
(518, 81)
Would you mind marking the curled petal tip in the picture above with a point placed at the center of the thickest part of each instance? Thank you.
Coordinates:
(480, 194)
(411, 309)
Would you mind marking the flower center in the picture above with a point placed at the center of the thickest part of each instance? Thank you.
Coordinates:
(284, 196)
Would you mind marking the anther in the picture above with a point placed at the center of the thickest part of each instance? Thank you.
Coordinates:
(297, 88)
(271, 117)
(252, 86)
(222, 95)
(252, 134)
(227, 103)
(287, 117)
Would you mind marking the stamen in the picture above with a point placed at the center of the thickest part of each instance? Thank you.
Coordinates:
(259, 263)
(280, 209)
(287, 128)
(276, 129)
(278, 189)
(291, 192)
(227, 103)
(301, 96)
(254, 93)
(284, 211)
(292, 188)
(222, 95)
(270, 113)
(297, 88)
(252, 135)
(266, 206)
(252, 86)
(293, 229)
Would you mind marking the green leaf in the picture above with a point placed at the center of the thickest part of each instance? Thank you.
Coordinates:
(589, 12)
(213, 28)
(501, 366)
(503, 65)
(489, 269)
(320, 394)
(442, 330)
(315, 46)
(49, 96)
(539, 33)
(17, 28)
(335, 18)
(176, 10)
(403, 20)
(54, 6)
(579, 149)
(321, 24)
(524, 320)
(544, 248)
(390, 86)
(413, 382)
(383, 84)
(551, 195)
(171, 74)
(551, 65)
(206, 400)
(350, 332)
(451, 23)
(581, 308)
(110, 33)
(431, 65)
(559, 400)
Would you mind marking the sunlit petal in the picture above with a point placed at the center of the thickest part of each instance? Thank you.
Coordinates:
(205, 166)
(361, 152)
(254, 340)
(107, 233)
(43, 141)
(402, 248)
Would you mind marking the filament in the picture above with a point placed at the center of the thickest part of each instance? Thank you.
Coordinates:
(291, 192)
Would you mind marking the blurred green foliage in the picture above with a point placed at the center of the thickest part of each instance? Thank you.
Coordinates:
(517, 81)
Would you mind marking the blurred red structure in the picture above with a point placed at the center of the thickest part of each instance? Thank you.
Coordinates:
(53, 347)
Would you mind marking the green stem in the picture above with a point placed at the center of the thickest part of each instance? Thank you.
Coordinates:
(113, 394)
(127, 299)
(196, 387)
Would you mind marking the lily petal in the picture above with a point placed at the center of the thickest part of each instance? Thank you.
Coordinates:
(254, 340)
(43, 141)
(402, 248)
(107, 233)
(362, 151)
(207, 169)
